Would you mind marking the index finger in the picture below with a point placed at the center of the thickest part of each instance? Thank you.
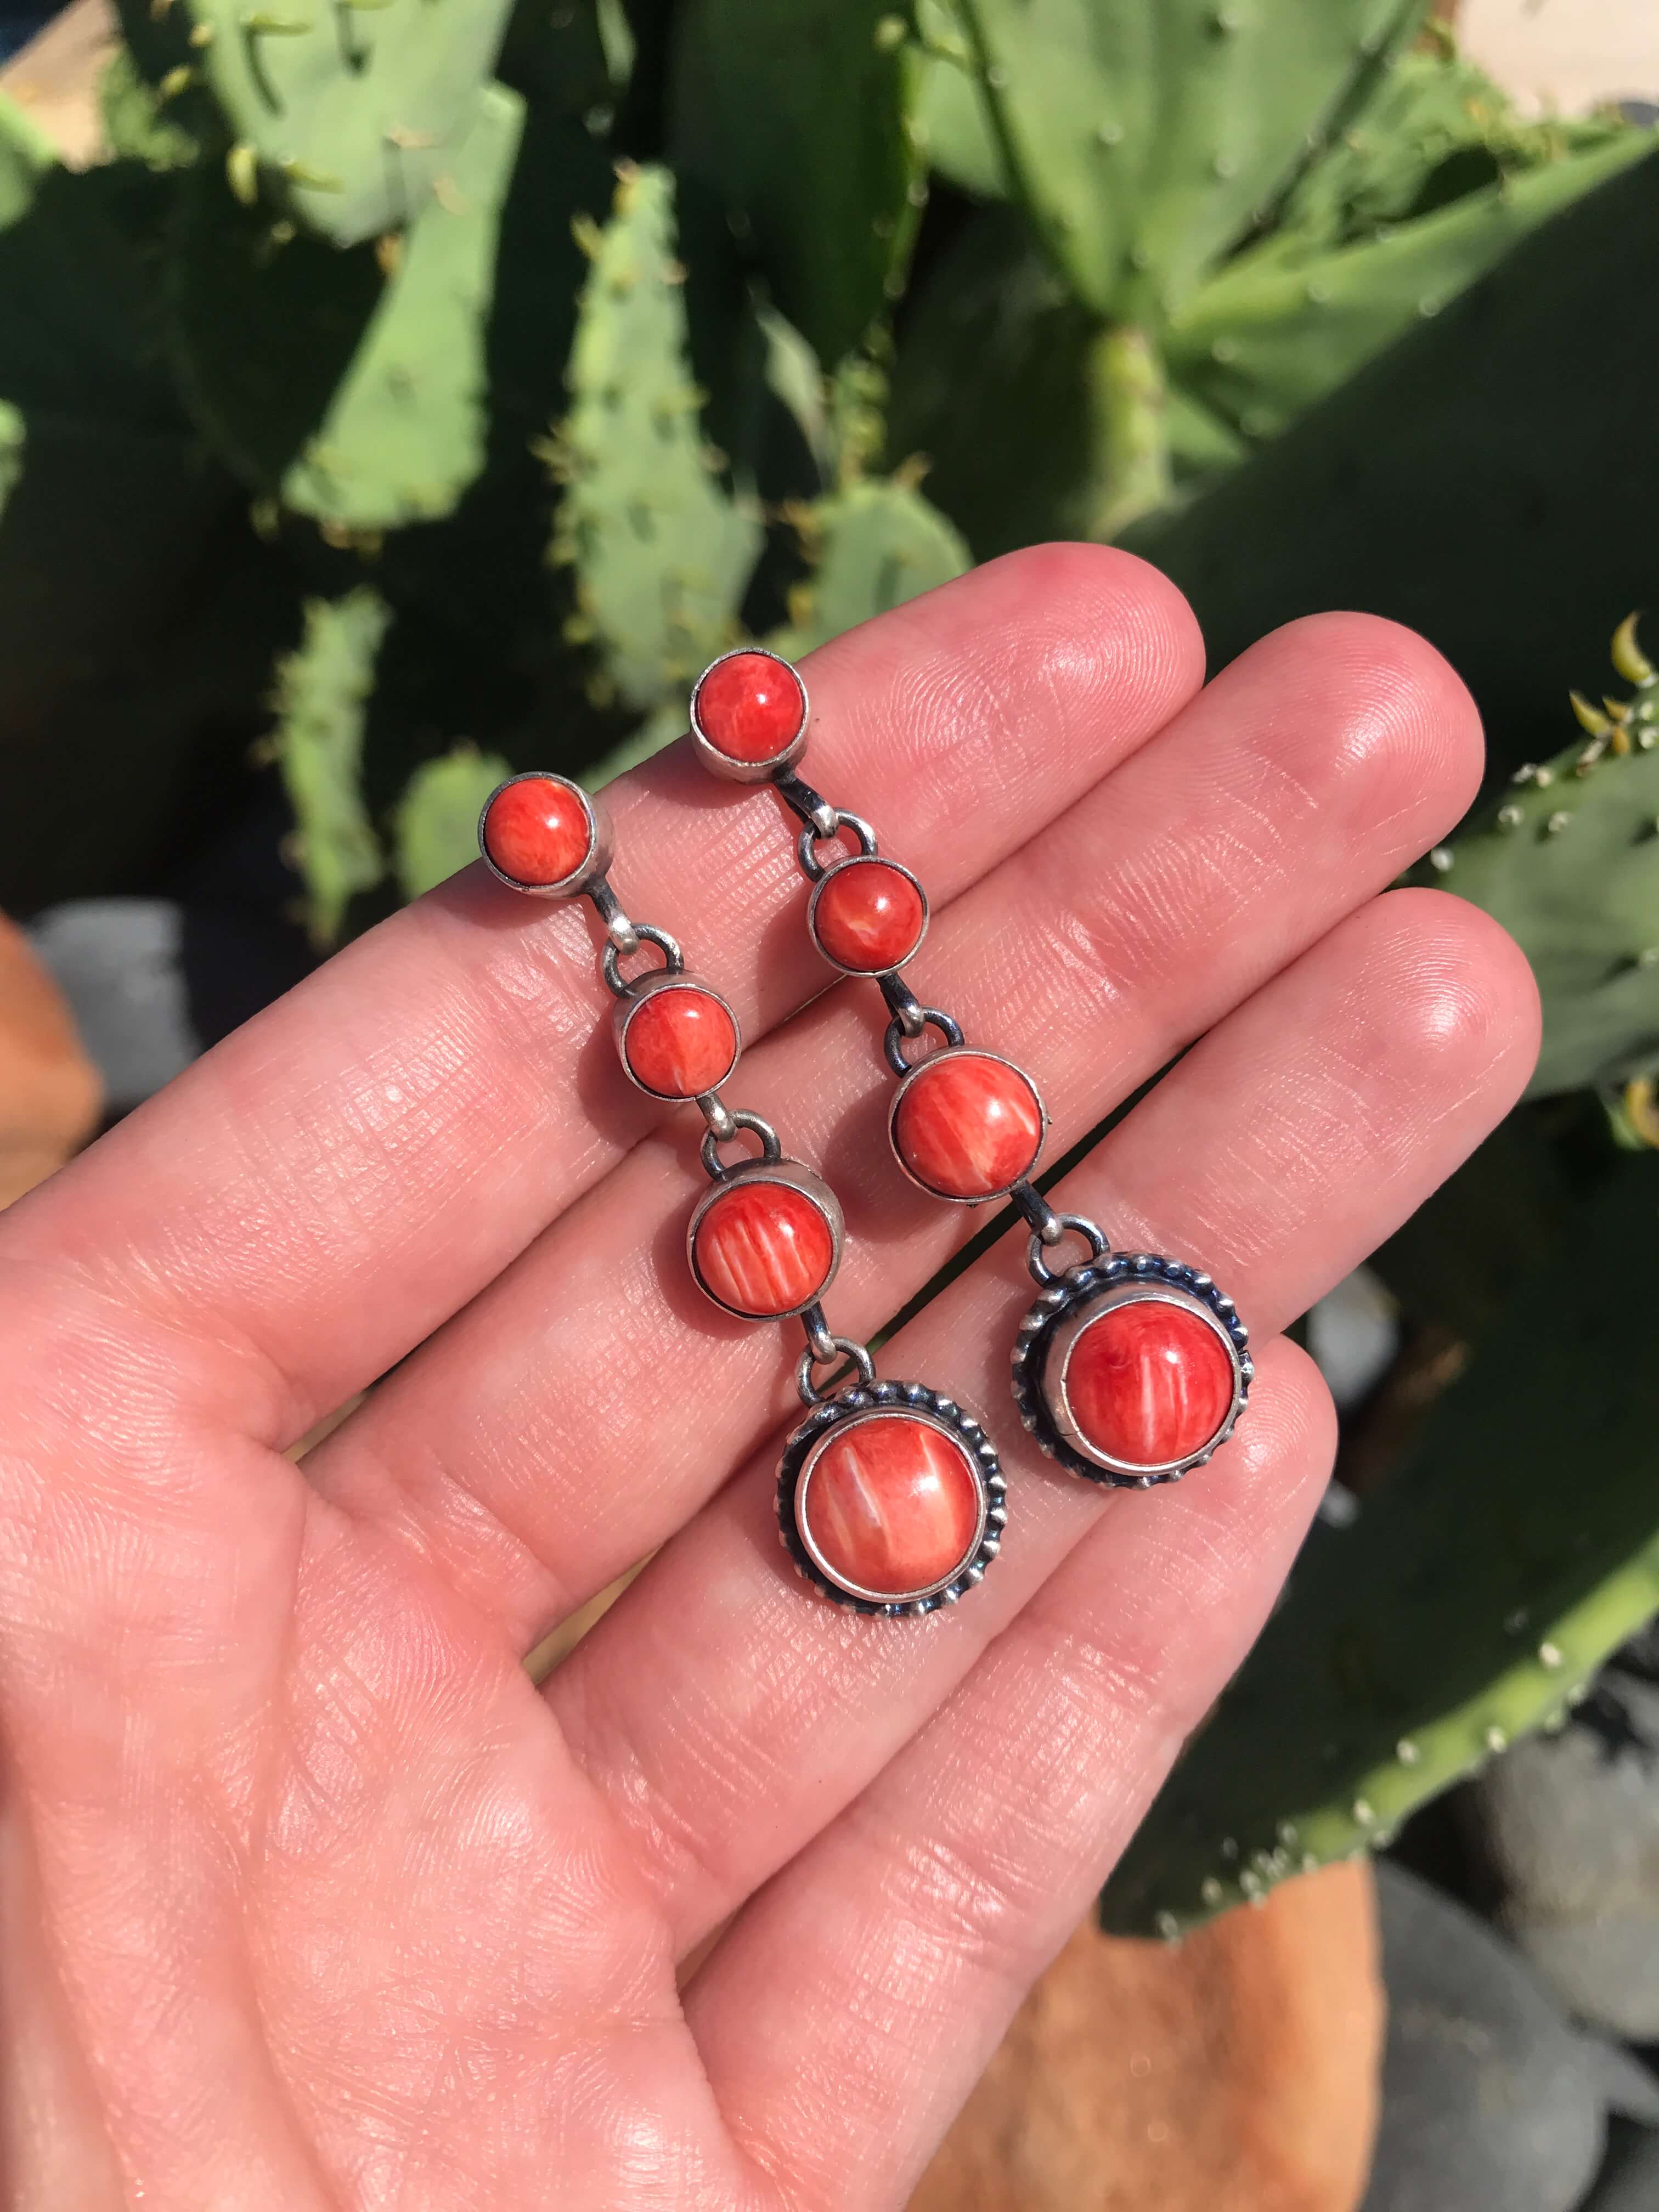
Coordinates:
(318, 1194)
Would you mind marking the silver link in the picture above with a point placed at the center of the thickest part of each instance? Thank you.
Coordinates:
(616, 983)
(841, 1348)
(771, 1150)
(811, 837)
(907, 1010)
(818, 1336)
(812, 806)
(1046, 1223)
(893, 1042)
(722, 1122)
(617, 927)
(1092, 1235)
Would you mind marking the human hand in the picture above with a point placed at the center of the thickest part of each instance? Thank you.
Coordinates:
(311, 1897)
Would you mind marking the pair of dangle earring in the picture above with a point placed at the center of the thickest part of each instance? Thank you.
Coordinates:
(1128, 1369)
(890, 1498)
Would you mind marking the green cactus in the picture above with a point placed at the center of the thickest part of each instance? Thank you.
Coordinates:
(136, 122)
(349, 385)
(1142, 135)
(347, 113)
(1562, 335)
(1567, 859)
(435, 827)
(321, 692)
(818, 165)
(1474, 1599)
(1278, 327)
(661, 551)
(870, 547)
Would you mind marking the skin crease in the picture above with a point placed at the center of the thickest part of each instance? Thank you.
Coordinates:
(308, 1898)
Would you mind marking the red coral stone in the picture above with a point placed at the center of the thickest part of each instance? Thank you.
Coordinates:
(1149, 1383)
(891, 1506)
(762, 1249)
(868, 916)
(537, 831)
(680, 1043)
(750, 706)
(968, 1125)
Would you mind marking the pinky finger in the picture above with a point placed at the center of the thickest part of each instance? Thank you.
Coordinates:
(848, 2012)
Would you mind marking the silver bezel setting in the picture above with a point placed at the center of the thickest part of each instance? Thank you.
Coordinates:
(736, 771)
(925, 1067)
(792, 1175)
(650, 987)
(864, 861)
(866, 1401)
(1072, 1304)
(601, 841)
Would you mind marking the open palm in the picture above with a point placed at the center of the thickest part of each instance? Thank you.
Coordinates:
(308, 1896)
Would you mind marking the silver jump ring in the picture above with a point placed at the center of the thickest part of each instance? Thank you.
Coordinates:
(844, 1348)
(1092, 1235)
(771, 1150)
(807, 845)
(622, 987)
(893, 1044)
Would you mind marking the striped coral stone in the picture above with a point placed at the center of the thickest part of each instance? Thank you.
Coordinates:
(762, 1249)
(680, 1043)
(1149, 1383)
(750, 706)
(968, 1125)
(891, 1506)
(537, 831)
(868, 916)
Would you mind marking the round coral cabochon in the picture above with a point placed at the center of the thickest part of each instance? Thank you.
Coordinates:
(750, 706)
(537, 831)
(680, 1043)
(762, 1249)
(968, 1125)
(1149, 1383)
(868, 916)
(891, 1506)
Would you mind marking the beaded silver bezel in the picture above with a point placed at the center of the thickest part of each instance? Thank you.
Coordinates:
(863, 1401)
(736, 771)
(601, 841)
(1067, 1306)
(925, 1067)
(793, 1175)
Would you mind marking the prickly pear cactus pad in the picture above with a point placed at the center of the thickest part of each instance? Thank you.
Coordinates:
(661, 551)
(1142, 135)
(321, 691)
(435, 830)
(871, 547)
(347, 112)
(1473, 1600)
(1567, 859)
(798, 112)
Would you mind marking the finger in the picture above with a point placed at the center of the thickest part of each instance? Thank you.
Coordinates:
(846, 2015)
(727, 1718)
(319, 1193)
(583, 1407)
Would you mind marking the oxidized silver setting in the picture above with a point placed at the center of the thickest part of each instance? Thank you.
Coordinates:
(956, 1049)
(594, 863)
(791, 1175)
(736, 771)
(871, 860)
(1058, 1318)
(649, 986)
(863, 1401)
